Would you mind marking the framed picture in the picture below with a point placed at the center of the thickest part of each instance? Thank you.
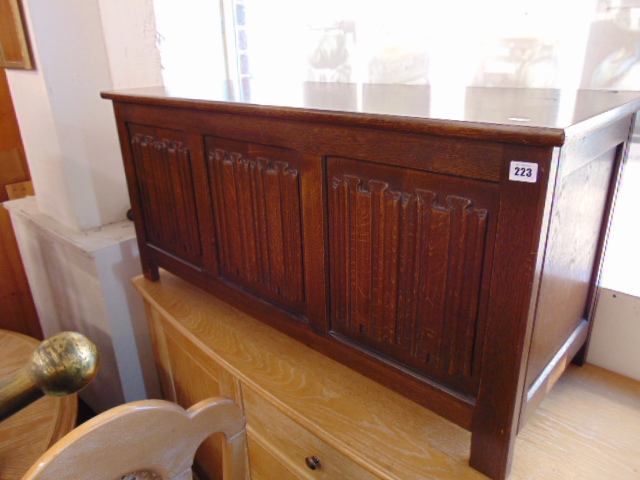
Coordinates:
(14, 48)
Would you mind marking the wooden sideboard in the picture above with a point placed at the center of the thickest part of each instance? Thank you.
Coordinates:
(299, 403)
(449, 254)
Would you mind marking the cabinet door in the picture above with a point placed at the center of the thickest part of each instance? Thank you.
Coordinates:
(263, 218)
(410, 253)
(188, 376)
(165, 170)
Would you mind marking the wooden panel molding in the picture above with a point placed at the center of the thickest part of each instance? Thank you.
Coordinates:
(257, 201)
(406, 274)
(14, 45)
(16, 303)
(165, 179)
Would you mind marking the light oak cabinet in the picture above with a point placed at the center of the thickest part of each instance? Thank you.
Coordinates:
(292, 446)
(299, 404)
(452, 256)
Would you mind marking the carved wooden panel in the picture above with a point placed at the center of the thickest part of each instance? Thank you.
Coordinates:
(575, 221)
(408, 260)
(164, 173)
(257, 202)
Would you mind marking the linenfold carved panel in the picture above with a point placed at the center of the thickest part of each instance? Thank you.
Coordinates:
(406, 273)
(165, 179)
(257, 201)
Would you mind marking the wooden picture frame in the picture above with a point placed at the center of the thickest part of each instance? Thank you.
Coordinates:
(14, 46)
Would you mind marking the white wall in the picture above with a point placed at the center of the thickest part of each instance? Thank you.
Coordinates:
(131, 40)
(79, 252)
(81, 47)
(35, 117)
(616, 333)
(622, 262)
(66, 301)
(73, 62)
(80, 282)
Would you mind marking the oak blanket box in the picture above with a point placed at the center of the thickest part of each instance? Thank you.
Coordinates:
(448, 248)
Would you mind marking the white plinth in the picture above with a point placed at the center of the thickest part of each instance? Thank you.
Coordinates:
(81, 281)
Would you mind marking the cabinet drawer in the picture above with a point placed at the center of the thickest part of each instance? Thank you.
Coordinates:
(272, 433)
(264, 466)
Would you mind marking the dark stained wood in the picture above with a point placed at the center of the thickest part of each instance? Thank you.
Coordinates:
(410, 253)
(575, 224)
(552, 372)
(164, 174)
(17, 310)
(454, 156)
(257, 201)
(495, 419)
(408, 108)
(393, 240)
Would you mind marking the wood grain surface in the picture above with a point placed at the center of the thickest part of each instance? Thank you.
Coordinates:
(29, 433)
(405, 246)
(292, 444)
(588, 427)
(17, 310)
(150, 436)
(16, 304)
(489, 113)
(410, 254)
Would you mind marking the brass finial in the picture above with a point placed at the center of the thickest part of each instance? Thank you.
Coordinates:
(64, 364)
(61, 365)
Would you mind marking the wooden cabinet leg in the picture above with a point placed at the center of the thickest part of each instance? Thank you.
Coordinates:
(492, 454)
(581, 357)
(151, 272)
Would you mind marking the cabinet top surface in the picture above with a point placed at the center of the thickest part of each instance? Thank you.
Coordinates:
(538, 116)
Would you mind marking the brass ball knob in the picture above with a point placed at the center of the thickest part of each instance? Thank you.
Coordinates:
(64, 364)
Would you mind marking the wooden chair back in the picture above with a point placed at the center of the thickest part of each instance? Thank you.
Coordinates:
(151, 439)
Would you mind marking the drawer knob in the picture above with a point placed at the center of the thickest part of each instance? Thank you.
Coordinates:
(312, 462)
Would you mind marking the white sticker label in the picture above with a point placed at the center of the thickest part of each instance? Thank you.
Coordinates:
(523, 172)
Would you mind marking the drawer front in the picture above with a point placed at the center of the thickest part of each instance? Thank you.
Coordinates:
(410, 261)
(265, 466)
(273, 434)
